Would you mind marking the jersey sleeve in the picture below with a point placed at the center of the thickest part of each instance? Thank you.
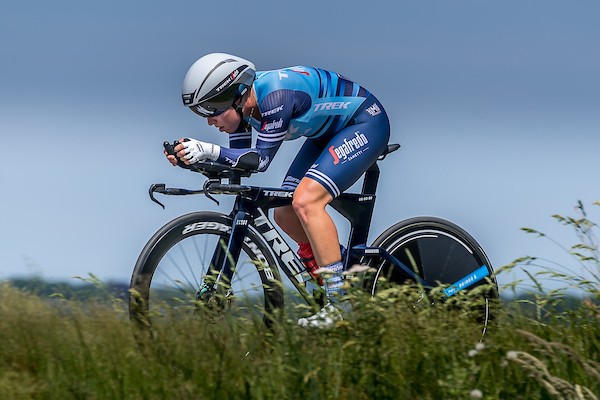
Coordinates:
(265, 156)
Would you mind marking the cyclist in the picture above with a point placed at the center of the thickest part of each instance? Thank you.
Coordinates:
(346, 129)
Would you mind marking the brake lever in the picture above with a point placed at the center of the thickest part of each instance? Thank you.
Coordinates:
(156, 187)
(205, 188)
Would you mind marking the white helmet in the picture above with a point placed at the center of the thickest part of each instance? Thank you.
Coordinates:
(215, 82)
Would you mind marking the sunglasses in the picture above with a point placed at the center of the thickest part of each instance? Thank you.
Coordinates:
(207, 110)
(217, 104)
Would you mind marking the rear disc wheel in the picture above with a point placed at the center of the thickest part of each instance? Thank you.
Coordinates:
(442, 254)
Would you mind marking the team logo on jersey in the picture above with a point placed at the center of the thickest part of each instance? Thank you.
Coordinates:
(374, 110)
(263, 162)
(349, 149)
(273, 111)
(332, 105)
(271, 126)
(299, 70)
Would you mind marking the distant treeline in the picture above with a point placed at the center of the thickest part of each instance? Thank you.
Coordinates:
(82, 290)
(93, 289)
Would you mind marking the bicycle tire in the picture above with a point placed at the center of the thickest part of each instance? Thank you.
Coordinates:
(442, 254)
(169, 272)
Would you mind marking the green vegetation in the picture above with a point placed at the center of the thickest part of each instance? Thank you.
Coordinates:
(545, 345)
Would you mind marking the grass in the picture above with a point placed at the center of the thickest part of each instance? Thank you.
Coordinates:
(542, 346)
(64, 349)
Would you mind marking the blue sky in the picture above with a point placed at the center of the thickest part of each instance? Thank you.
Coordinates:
(495, 105)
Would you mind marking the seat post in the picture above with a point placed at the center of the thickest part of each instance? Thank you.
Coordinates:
(371, 179)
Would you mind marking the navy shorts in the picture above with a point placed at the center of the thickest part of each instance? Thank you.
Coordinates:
(339, 160)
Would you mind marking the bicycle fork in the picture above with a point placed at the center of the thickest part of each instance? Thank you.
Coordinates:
(222, 266)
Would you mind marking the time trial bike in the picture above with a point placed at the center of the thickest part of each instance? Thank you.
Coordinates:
(218, 266)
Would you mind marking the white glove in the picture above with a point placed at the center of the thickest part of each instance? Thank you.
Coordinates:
(196, 150)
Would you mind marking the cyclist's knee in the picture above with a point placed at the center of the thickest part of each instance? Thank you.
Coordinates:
(310, 197)
(305, 205)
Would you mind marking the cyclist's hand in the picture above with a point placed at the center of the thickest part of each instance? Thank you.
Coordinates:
(174, 153)
(171, 151)
(191, 151)
(171, 158)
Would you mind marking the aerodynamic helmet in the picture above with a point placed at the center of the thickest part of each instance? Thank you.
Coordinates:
(215, 82)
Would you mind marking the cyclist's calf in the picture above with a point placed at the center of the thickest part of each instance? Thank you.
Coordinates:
(286, 218)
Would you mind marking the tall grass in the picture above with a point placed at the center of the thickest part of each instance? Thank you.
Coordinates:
(555, 287)
(54, 348)
(389, 350)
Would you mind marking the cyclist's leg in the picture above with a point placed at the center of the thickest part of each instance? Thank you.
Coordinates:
(336, 163)
(285, 216)
(310, 200)
(343, 160)
(287, 219)
(347, 155)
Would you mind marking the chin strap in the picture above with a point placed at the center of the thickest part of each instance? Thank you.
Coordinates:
(243, 126)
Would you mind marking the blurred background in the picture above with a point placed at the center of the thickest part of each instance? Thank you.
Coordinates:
(496, 105)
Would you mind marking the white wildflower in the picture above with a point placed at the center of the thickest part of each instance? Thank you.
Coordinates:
(476, 394)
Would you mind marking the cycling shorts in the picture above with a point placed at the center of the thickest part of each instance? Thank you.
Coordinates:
(339, 160)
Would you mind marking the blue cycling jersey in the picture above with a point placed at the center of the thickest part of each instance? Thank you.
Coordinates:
(295, 102)
(302, 101)
(345, 126)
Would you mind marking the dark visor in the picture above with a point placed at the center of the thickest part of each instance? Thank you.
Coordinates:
(218, 104)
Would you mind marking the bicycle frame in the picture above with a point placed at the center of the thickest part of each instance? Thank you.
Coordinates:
(251, 209)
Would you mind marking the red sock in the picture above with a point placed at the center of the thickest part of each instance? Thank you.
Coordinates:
(308, 259)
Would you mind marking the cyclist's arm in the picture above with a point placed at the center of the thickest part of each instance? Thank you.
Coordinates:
(265, 151)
